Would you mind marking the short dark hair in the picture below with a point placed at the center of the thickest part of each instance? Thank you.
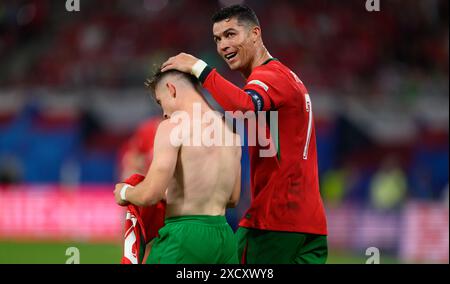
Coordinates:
(242, 12)
(153, 81)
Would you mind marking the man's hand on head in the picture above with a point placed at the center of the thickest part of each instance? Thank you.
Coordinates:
(182, 62)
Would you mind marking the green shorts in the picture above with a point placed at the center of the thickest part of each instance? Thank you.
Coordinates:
(273, 247)
(196, 239)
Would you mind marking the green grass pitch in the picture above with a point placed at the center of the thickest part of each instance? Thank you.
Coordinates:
(34, 252)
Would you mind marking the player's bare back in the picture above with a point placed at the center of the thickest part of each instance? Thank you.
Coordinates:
(204, 178)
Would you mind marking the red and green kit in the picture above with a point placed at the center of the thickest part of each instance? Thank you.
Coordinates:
(285, 186)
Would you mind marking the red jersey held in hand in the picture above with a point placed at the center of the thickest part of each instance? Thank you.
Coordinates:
(141, 226)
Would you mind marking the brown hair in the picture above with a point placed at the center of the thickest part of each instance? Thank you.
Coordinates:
(153, 81)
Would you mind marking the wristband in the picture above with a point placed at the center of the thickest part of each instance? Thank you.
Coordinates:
(198, 68)
(123, 191)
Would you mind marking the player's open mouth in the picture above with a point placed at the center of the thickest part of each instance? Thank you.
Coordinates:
(230, 55)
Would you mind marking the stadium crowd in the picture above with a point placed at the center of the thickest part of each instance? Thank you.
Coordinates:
(379, 82)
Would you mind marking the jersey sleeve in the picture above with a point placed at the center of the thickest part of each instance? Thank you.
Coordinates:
(268, 84)
(252, 97)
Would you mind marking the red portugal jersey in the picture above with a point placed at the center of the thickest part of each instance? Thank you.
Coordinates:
(285, 186)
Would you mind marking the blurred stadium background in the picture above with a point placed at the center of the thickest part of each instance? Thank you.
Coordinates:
(71, 96)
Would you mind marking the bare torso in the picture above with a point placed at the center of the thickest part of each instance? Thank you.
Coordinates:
(204, 178)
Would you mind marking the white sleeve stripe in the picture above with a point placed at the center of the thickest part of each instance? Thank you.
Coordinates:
(259, 83)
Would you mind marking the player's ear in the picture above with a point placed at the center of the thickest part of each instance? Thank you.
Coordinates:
(172, 89)
(255, 33)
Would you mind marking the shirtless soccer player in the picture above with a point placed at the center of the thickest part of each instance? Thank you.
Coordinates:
(198, 181)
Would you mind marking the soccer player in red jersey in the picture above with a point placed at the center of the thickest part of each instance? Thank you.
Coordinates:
(286, 221)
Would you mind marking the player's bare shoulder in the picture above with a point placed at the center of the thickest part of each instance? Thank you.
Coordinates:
(165, 127)
(166, 133)
(171, 130)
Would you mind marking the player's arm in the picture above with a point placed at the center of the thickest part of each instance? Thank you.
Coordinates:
(232, 98)
(229, 96)
(152, 189)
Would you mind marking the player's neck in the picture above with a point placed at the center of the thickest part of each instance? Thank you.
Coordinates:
(261, 56)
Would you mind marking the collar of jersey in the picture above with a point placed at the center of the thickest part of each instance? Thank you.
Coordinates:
(268, 60)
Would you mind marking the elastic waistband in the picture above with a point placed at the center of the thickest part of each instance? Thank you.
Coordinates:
(199, 219)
